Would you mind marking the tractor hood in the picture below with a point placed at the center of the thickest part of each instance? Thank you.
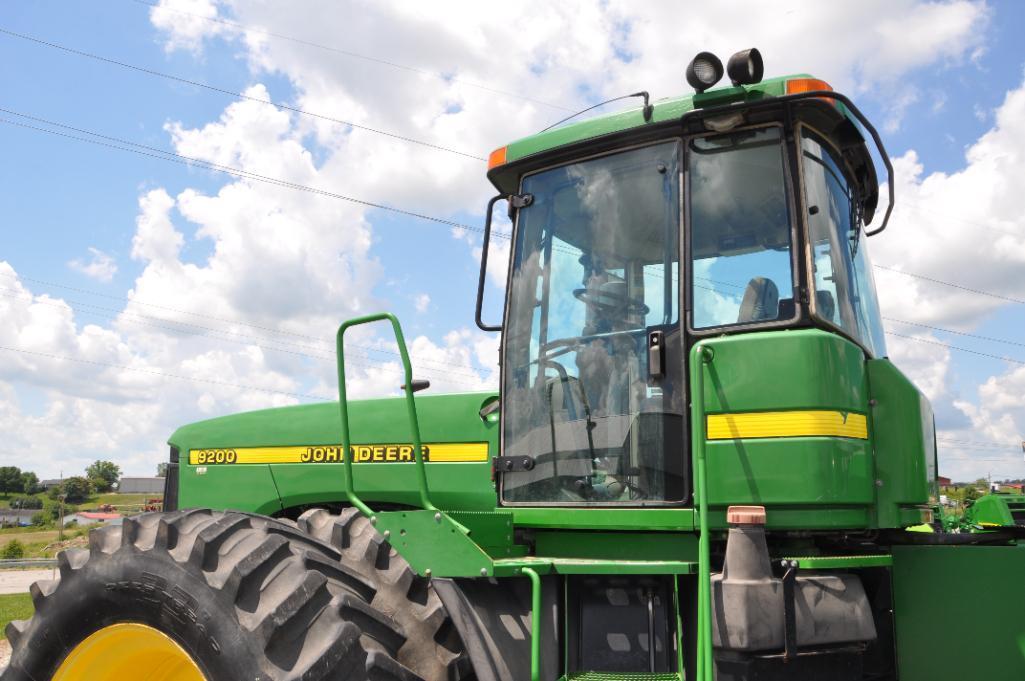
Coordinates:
(451, 417)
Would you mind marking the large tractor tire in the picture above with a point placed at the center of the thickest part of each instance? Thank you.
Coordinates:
(432, 648)
(196, 595)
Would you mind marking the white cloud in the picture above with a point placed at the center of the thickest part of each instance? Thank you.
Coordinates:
(965, 228)
(285, 266)
(101, 266)
(186, 23)
(421, 302)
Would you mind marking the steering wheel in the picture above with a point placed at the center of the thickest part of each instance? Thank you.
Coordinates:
(610, 302)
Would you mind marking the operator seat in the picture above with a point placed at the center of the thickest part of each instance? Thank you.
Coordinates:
(760, 301)
(606, 366)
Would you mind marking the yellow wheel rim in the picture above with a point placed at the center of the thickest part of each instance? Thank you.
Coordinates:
(128, 652)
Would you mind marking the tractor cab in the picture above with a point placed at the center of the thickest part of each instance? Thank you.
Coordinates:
(728, 212)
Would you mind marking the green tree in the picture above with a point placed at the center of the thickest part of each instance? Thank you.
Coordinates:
(162, 469)
(33, 503)
(74, 489)
(104, 475)
(13, 549)
(29, 482)
(40, 518)
(10, 479)
(52, 510)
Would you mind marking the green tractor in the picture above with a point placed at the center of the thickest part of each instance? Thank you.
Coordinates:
(699, 464)
(992, 511)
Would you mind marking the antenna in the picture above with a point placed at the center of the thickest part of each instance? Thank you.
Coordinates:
(647, 110)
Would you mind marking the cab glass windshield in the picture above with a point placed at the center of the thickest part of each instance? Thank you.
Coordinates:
(741, 270)
(592, 390)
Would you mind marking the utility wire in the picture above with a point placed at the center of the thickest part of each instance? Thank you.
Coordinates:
(982, 442)
(951, 284)
(153, 152)
(929, 209)
(355, 55)
(174, 157)
(178, 377)
(218, 334)
(958, 333)
(232, 93)
(955, 347)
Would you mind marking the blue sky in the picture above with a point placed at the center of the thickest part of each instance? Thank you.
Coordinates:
(258, 274)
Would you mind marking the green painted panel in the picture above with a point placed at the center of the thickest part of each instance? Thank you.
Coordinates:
(245, 488)
(779, 370)
(995, 509)
(616, 545)
(841, 562)
(583, 566)
(810, 482)
(453, 486)
(669, 519)
(251, 487)
(974, 594)
(816, 471)
(433, 543)
(804, 517)
(901, 423)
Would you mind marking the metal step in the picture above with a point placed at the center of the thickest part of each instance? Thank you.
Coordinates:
(510, 567)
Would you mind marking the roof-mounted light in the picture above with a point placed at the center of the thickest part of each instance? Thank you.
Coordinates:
(746, 67)
(704, 71)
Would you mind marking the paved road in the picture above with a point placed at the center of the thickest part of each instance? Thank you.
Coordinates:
(18, 581)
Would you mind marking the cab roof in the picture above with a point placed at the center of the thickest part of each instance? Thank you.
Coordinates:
(609, 131)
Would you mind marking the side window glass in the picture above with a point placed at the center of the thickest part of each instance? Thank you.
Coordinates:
(844, 290)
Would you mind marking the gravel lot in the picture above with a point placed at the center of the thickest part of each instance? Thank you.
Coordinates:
(18, 581)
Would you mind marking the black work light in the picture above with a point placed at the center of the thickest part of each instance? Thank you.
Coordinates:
(704, 71)
(745, 67)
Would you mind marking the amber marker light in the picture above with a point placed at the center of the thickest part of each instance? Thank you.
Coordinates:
(798, 85)
(497, 157)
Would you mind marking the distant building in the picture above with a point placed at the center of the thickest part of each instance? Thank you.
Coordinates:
(47, 484)
(141, 486)
(943, 482)
(90, 517)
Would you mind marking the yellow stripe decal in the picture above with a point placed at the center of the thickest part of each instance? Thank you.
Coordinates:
(787, 424)
(441, 452)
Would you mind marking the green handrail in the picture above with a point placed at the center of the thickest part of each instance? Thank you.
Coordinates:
(535, 623)
(343, 406)
(705, 670)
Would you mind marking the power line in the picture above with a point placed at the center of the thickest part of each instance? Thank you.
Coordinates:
(951, 284)
(206, 331)
(178, 377)
(955, 347)
(929, 209)
(153, 152)
(356, 55)
(232, 93)
(983, 442)
(958, 333)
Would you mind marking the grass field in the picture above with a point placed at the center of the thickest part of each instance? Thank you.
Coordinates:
(30, 537)
(92, 501)
(14, 607)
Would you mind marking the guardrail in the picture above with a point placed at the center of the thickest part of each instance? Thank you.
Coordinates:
(27, 562)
